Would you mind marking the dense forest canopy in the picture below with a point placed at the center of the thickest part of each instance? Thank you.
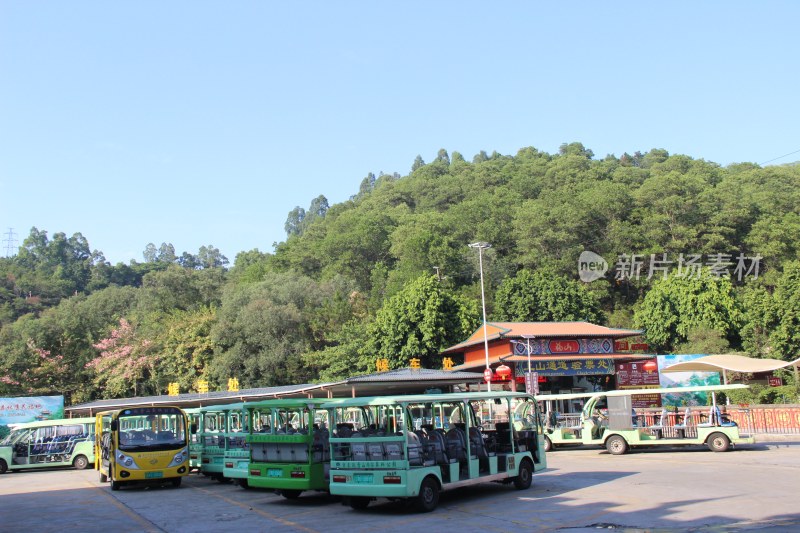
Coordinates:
(388, 274)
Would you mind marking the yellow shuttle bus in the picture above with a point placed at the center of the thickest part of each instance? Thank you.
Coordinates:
(419, 445)
(140, 444)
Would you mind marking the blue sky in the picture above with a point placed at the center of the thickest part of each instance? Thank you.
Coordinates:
(202, 123)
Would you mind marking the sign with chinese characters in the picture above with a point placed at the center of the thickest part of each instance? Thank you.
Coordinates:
(620, 346)
(635, 376)
(233, 385)
(561, 367)
(202, 386)
(532, 382)
(447, 364)
(30, 409)
(564, 346)
(174, 389)
(382, 365)
(775, 381)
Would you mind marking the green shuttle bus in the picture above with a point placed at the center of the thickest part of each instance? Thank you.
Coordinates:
(413, 447)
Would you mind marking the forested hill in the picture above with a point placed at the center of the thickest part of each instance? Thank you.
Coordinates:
(388, 274)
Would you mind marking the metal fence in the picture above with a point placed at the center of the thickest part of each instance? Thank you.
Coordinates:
(779, 419)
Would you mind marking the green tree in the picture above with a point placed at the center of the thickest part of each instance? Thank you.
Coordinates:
(677, 305)
(421, 320)
(543, 296)
(785, 337)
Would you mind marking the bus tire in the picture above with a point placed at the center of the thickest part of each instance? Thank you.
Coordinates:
(244, 483)
(616, 445)
(359, 502)
(115, 485)
(176, 482)
(524, 475)
(548, 444)
(428, 497)
(719, 442)
(3, 467)
(291, 494)
(80, 462)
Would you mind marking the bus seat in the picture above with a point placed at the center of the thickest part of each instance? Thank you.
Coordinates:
(477, 444)
(359, 451)
(394, 451)
(344, 431)
(437, 446)
(456, 444)
(375, 451)
(415, 450)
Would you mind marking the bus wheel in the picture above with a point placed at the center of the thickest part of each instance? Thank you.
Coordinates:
(359, 502)
(616, 445)
(428, 497)
(3, 467)
(718, 442)
(291, 494)
(244, 483)
(80, 462)
(548, 444)
(176, 482)
(115, 485)
(524, 475)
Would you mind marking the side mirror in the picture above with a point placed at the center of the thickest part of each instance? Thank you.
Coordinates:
(114, 425)
(194, 427)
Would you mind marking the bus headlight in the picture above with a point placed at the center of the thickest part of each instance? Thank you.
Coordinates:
(179, 458)
(126, 461)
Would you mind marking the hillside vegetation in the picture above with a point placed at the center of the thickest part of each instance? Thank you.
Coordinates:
(388, 274)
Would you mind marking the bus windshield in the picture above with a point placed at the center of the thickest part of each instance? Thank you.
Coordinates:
(151, 430)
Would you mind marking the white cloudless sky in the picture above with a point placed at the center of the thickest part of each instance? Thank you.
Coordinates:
(200, 123)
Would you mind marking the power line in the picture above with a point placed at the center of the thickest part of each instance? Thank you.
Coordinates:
(781, 157)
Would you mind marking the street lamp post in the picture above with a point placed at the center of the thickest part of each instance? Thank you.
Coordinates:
(481, 246)
(530, 376)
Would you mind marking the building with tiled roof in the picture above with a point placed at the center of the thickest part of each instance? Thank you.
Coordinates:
(565, 356)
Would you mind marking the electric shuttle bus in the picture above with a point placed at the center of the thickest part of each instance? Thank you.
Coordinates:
(608, 420)
(289, 449)
(49, 443)
(140, 444)
(419, 445)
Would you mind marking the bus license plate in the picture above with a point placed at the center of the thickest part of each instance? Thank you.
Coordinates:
(153, 475)
(364, 479)
(274, 472)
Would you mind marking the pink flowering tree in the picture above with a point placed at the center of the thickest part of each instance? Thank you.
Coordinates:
(126, 365)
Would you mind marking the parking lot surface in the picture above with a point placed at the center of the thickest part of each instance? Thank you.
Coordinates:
(752, 488)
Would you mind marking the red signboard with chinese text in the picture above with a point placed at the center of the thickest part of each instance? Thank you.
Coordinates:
(634, 376)
(639, 346)
(621, 346)
(565, 347)
(775, 381)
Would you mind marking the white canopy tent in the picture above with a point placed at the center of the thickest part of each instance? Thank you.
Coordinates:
(733, 362)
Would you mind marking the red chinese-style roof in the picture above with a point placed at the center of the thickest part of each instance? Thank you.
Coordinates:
(556, 330)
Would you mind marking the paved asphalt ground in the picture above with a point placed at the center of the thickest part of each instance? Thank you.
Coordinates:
(752, 488)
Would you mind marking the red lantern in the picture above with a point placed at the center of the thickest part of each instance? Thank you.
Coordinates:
(650, 366)
(503, 372)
